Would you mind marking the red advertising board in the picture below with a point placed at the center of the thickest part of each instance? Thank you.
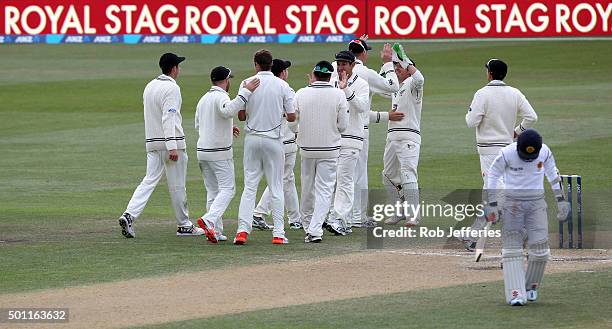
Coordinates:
(378, 18)
(496, 18)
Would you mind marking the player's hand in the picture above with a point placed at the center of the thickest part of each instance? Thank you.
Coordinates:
(343, 80)
(395, 116)
(364, 37)
(173, 155)
(563, 209)
(492, 213)
(386, 54)
(235, 131)
(252, 85)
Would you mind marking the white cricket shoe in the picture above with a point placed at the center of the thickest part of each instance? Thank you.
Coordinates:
(394, 220)
(221, 237)
(532, 295)
(125, 221)
(189, 231)
(518, 301)
(336, 227)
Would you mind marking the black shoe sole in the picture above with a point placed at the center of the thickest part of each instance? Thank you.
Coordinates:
(124, 229)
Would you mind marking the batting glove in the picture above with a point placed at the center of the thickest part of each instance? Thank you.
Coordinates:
(492, 212)
(563, 210)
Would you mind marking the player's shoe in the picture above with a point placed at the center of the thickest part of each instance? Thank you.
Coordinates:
(221, 237)
(369, 223)
(469, 245)
(532, 295)
(348, 230)
(260, 223)
(518, 301)
(125, 221)
(279, 240)
(296, 226)
(312, 238)
(336, 227)
(241, 238)
(394, 220)
(209, 229)
(189, 231)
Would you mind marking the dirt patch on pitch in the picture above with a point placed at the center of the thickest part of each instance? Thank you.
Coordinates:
(240, 289)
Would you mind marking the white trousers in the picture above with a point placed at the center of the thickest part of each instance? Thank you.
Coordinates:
(290, 192)
(345, 184)
(401, 161)
(263, 156)
(528, 217)
(176, 171)
(220, 189)
(360, 207)
(318, 180)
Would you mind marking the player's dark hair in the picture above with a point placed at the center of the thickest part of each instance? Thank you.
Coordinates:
(498, 75)
(263, 58)
(320, 76)
(167, 69)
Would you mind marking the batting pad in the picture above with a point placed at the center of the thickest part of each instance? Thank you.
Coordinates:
(512, 259)
(539, 253)
(411, 196)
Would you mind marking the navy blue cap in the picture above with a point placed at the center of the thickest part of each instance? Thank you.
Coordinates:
(529, 144)
(346, 56)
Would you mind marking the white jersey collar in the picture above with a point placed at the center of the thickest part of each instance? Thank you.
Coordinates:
(163, 77)
(217, 88)
(496, 83)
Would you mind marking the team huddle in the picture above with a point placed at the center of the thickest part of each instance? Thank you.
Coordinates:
(327, 123)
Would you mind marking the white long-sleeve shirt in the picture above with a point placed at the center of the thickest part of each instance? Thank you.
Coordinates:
(357, 94)
(162, 115)
(267, 104)
(385, 83)
(214, 122)
(523, 180)
(408, 100)
(323, 114)
(494, 111)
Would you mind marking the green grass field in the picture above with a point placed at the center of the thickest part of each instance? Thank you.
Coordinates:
(72, 143)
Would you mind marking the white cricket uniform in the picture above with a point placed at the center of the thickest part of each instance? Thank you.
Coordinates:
(523, 215)
(214, 123)
(493, 112)
(163, 132)
(263, 149)
(290, 191)
(381, 85)
(357, 94)
(323, 114)
(401, 157)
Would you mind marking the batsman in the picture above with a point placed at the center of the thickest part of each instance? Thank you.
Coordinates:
(523, 165)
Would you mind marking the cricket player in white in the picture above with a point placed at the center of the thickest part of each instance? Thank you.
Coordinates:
(401, 157)
(323, 113)
(280, 69)
(493, 112)
(384, 84)
(523, 165)
(263, 147)
(165, 144)
(215, 126)
(358, 96)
